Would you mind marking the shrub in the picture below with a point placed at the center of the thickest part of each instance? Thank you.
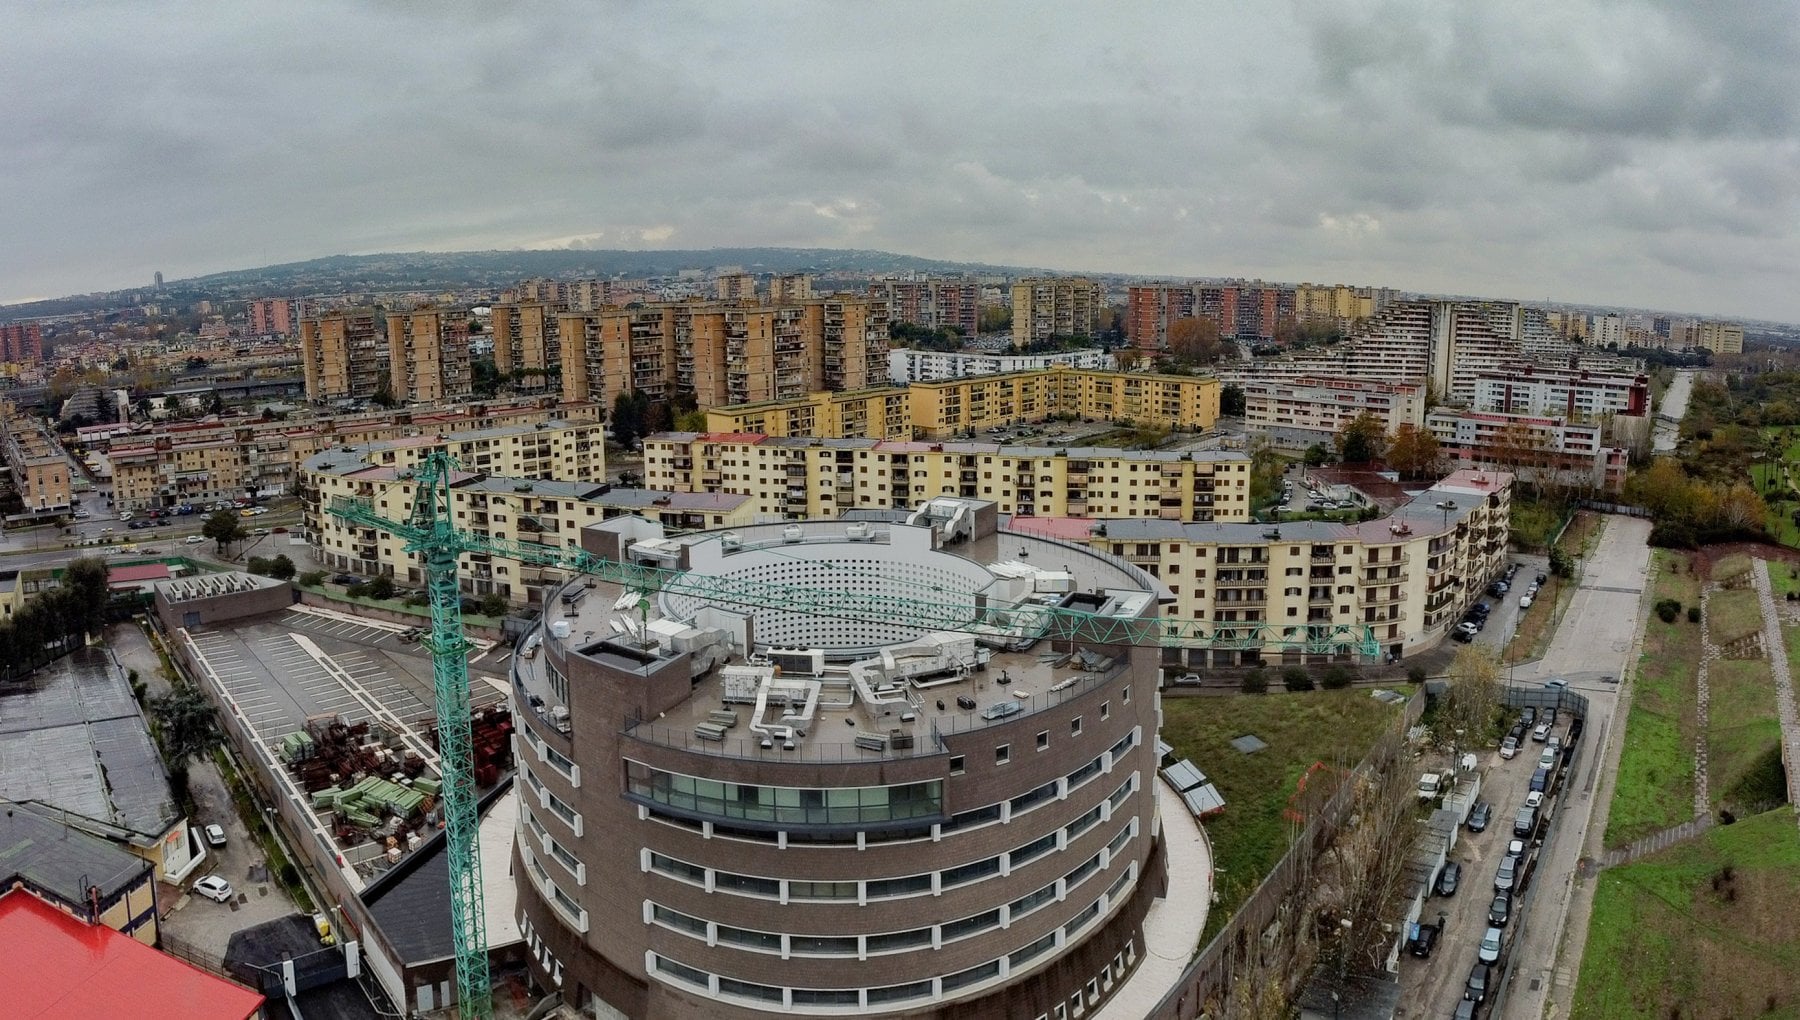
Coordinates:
(1668, 609)
(1255, 682)
(1693, 614)
(1296, 678)
(493, 605)
(381, 588)
(312, 578)
(1337, 678)
(1416, 675)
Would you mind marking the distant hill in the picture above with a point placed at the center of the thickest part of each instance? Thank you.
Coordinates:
(423, 270)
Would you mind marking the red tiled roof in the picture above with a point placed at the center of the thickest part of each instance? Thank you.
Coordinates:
(138, 572)
(59, 968)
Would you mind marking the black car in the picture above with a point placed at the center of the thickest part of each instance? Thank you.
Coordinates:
(1481, 609)
(1517, 733)
(1541, 579)
(1529, 716)
(1465, 1010)
(1540, 781)
(1477, 987)
(1448, 878)
(346, 579)
(1479, 817)
(1461, 635)
(1501, 910)
(1424, 940)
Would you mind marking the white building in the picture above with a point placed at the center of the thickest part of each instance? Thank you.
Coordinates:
(910, 366)
(1313, 409)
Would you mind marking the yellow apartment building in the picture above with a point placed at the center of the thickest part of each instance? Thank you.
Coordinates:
(341, 355)
(428, 355)
(794, 478)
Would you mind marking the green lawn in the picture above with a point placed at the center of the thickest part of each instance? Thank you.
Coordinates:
(1741, 722)
(1733, 614)
(1251, 835)
(1656, 768)
(1663, 942)
(1783, 579)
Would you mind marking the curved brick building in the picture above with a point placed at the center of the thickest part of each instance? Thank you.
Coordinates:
(738, 810)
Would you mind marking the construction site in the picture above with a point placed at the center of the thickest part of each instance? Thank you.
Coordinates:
(335, 714)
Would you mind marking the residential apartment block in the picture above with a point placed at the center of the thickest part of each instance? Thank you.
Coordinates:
(907, 365)
(724, 353)
(21, 343)
(1537, 449)
(41, 474)
(1310, 591)
(1577, 394)
(962, 406)
(490, 505)
(1338, 303)
(428, 355)
(789, 287)
(1718, 337)
(240, 457)
(275, 316)
(736, 287)
(794, 478)
(932, 303)
(342, 355)
(1043, 307)
(1248, 310)
(1307, 410)
(527, 342)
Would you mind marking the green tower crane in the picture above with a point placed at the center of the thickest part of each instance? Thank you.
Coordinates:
(430, 534)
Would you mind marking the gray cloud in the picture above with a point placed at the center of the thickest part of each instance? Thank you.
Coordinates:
(1634, 152)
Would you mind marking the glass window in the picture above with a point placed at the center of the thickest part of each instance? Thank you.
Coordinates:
(678, 920)
(750, 990)
(899, 993)
(1031, 901)
(962, 979)
(1034, 849)
(1002, 754)
(905, 885)
(822, 945)
(750, 884)
(893, 942)
(971, 872)
(964, 927)
(822, 890)
(826, 996)
(681, 971)
(1032, 951)
(749, 938)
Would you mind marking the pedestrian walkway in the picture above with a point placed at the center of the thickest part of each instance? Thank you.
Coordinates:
(1173, 924)
(1775, 645)
(1703, 708)
(1657, 841)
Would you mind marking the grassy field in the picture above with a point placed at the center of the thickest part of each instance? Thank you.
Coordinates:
(1656, 769)
(1536, 627)
(1300, 729)
(1732, 614)
(1783, 579)
(1741, 722)
(1664, 942)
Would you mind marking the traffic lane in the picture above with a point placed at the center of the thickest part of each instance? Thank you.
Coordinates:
(1433, 987)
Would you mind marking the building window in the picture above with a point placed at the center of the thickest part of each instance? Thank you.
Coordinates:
(1075, 727)
(1043, 739)
(1105, 710)
(1002, 754)
(956, 764)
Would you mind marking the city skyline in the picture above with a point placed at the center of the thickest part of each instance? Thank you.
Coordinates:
(1634, 155)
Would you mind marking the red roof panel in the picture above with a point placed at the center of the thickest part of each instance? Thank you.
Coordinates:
(56, 967)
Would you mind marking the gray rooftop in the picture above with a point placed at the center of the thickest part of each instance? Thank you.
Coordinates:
(71, 737)
(40, 848)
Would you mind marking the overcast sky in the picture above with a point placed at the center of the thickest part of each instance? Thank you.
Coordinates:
(1635, 153)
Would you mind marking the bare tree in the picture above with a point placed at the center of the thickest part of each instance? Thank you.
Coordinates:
(1473, 697)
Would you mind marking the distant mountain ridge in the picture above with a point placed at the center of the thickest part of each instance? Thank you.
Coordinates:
(394, 271)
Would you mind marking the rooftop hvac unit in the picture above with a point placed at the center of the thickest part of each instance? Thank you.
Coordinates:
(559, 629)
(858, 532)
(801, 661)
(559, 717)
(792, 533)
(730, 541)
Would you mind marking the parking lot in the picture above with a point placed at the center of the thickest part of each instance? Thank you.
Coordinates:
(1432, 987)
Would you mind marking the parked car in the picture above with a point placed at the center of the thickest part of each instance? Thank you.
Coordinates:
(1465, 1010)
(1554, 745)
(346, 579)
(193, 540)
(1541, 732)
(1461, 635)
(1534, 799)
(1507, 875)
(1424, 939)
(1529, 716)
(1525, 821)
(1542, 578)
(1557, 685)
(1547, 760)
(1540, 780)
(1480, 815)
(1509, 747)
(1489, 950)
(1476, 989)
(1500, 911)
(215, 835)
(1448, 879)
(214, 888)
(1431, 785)
(1524, 601)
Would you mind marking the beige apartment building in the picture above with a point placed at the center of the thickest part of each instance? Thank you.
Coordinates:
(247, 457)
(486, 505)
(1718, 337)
(1310, 409)
(41, 474)
(342, 356)
(792, 478)
(1310, 590)
(428, 355)
(527, 341)
(1043, 307)
(952, 407)
(724, 353)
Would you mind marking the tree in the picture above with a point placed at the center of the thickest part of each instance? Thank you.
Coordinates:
(186, 725)
(493, 605)
(628, 418)
(225, 528)
(1195, 341)
(1413, 451)
(312, 578)
(1318, 455)
(281, 568)
(1361, 440)
(1472, 697)
(1232, 401)
(381, 588)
